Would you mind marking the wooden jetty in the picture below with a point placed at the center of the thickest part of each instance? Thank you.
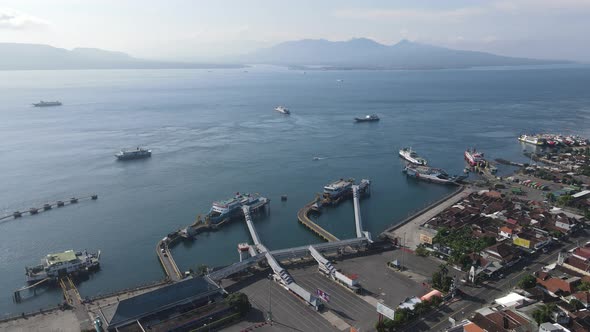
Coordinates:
(47, 207)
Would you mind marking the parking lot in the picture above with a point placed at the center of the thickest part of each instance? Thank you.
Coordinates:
(345, 309)
(289, 312)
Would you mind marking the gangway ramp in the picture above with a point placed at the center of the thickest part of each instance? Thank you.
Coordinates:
(253, 234)
(357, 214)
(328, 267)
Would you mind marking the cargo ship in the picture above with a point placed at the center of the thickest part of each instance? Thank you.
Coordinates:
(57, 265)
(367, 118)
(430, 174)
(412, 156)
(282, 110)
(131, 154)
(531, 140)
(232, 208)
(47, 103)
(474, 158)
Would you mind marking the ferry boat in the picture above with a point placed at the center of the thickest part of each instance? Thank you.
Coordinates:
(474, 158)
(61, 264)
(338, 188)
(282, 110)
(531, 139)
(430, 174)
(130, 154)
(367, 118)
(230, 208)
(412, 156)
(47, 103)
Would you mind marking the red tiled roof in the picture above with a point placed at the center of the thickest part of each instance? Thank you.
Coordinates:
(555, 285)
(505, 230)
(584, 297)
(511, 221)
(582, 252)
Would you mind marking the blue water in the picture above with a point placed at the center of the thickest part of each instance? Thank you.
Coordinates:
(215, 132)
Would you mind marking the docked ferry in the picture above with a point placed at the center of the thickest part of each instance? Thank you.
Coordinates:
(531, 140)
(282, 110)
(412, 156)
(430, 174)
(61, 264)
(130, 154)
(47, 103)
(473, 157)
(338, 188)
(230, 208)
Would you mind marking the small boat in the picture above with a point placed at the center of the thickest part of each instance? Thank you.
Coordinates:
(282, 110)
(47, 103)
(367, 118)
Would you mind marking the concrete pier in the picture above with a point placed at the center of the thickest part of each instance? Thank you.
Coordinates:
(303, 217)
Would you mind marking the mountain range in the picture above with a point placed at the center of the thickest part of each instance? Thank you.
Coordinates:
(368, 54)
(16, 56)
(358, 53)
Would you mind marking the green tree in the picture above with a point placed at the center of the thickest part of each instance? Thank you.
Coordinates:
(239, 302)
(421, 251)
(584, 286)
(202, 270)
(543, 313)
(575, 303)
(564, 200)
(528, 281)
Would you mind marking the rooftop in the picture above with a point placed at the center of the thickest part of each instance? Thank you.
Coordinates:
(61, 257)
(137, 307)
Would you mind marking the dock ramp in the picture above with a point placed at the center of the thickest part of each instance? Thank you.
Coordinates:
(327, 266)
(357, 214)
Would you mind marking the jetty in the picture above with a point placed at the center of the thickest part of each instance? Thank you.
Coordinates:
(165, 256)
(303, 217)
(408, 228)
(46, 207)
(354, 192)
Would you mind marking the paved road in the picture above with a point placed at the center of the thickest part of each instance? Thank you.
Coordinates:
(343, 303)
(168, 263)
(288, 311)
(475, 298)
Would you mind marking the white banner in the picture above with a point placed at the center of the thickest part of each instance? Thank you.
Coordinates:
(385, 311)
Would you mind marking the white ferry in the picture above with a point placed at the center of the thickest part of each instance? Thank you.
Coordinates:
(531, 140)
(282, 110)
(61, 264)
(412, 156)
(232, 207)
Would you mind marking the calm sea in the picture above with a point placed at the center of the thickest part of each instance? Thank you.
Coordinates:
(214, 133)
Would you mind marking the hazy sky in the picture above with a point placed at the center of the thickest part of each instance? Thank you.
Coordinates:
(204, 29)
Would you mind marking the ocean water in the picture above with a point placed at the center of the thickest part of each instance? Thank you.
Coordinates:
(214, 133)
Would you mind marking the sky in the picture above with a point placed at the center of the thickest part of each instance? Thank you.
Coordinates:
(204, 30)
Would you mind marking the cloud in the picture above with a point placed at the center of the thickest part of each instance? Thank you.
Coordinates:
(455, 14)
(12, 19)
(411, 14)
